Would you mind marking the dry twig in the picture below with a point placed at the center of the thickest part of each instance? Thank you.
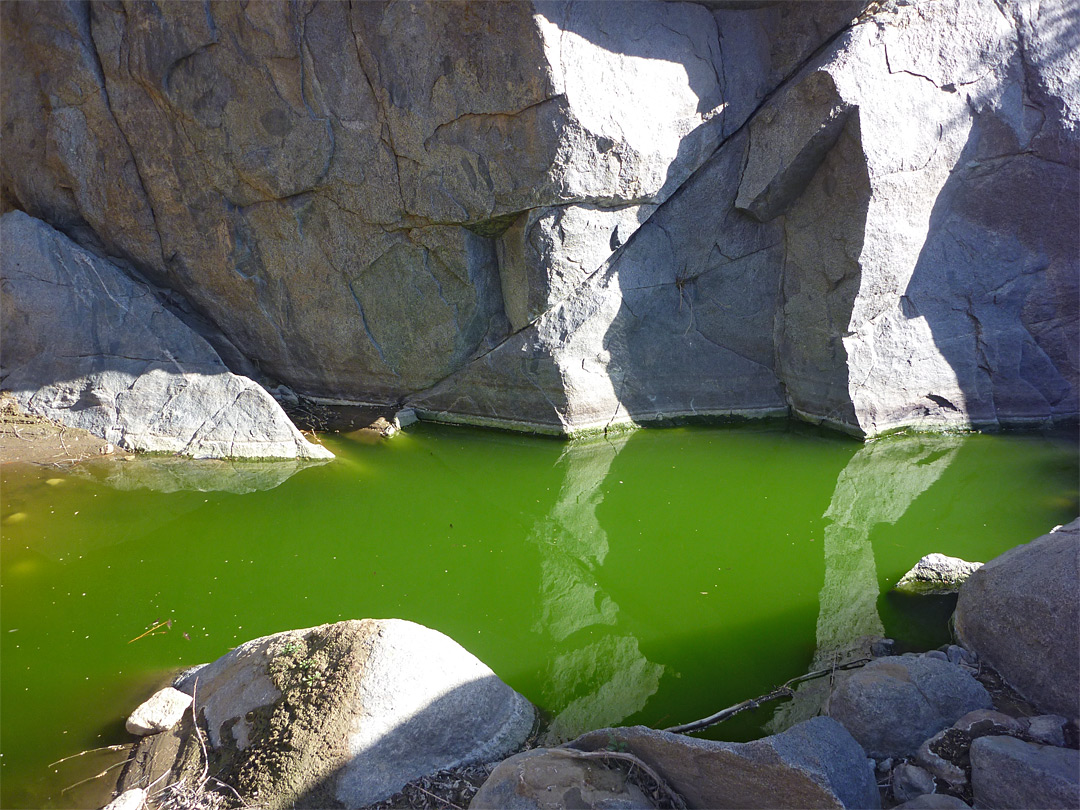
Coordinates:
(96, 775)
(781, 691)
(90, 751)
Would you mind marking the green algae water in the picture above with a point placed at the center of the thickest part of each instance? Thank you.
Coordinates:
(654, 577)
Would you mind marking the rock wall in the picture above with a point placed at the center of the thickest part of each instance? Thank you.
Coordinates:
(562, 216)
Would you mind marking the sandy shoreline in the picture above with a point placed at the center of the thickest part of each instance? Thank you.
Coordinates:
(26, 439)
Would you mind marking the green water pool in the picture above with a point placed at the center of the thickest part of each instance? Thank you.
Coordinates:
(654, 577)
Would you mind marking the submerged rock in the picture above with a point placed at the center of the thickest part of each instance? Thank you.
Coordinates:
(1021, 613)
(175, 474)
(344, 715)
(1011, 773)
(816, 763)
(88, 347)
(937, 574)
(893, 704)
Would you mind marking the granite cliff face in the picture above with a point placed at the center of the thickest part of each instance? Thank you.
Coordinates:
(569, 215)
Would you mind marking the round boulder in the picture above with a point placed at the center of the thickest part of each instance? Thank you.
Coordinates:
(344, 715)
(1021, 613)
(893, 704)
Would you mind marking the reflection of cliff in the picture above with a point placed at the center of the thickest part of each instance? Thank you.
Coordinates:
(599, 676)
(877, 486)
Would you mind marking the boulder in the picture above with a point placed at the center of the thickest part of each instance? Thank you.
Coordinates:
(558, 779)
(983, 722)
(936, 574)
(910, 781)
(1011, 773)
(88, 347)
(159, 712)
(893, 704)
(134, 799)
(945, 755)
(813, 764)
(1048, 729)
(1021, 613)
(344, 715)
(934, 801)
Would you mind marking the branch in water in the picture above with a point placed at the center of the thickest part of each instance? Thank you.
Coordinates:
(780, 692)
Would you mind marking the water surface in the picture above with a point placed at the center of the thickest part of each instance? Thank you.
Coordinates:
(654, 577)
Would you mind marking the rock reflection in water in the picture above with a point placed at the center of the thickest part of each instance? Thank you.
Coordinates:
(599, 676)
(176, 474)
(877, 486)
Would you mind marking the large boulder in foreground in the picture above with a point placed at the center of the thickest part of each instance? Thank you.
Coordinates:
(893, 704)
(1021, 613)
(816, 763)
(345, 714)
(88, 347)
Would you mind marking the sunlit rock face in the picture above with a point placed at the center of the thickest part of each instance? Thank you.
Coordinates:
(569, 215)
(946, 292)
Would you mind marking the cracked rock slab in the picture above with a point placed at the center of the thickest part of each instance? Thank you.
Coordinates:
(88, 347)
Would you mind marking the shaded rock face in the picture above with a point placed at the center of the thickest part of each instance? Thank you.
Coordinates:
(1021, 613)
(568, 215)
(88, 347)
(344, 715)
(934, 801)
(814, 764)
